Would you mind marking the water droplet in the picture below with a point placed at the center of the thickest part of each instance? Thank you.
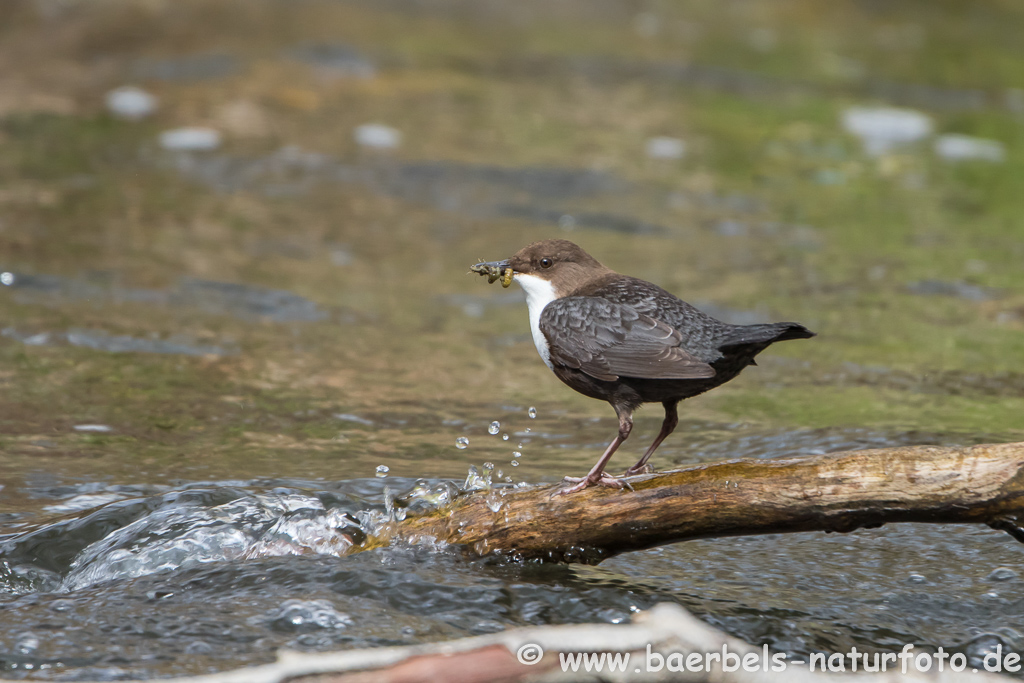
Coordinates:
(488, 466)
(520, 445)
(532, 412)
(499, 474)
(7, 279)
(516, 454)
(527, 430)
(462, 443)
(917, 578)
(504, 437)
(474, 481)
(514, 463)
(495, 426)
(382, 470)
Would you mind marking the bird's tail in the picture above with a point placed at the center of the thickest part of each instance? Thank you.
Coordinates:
(765, 334)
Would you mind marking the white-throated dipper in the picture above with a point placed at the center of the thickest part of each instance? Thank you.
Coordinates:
(624, 340)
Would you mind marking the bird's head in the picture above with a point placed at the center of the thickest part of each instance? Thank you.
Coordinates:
(559, 265)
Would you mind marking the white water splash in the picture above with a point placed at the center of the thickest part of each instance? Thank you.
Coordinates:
(187, 535)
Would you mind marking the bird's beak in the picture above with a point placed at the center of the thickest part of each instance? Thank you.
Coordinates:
(494, 270)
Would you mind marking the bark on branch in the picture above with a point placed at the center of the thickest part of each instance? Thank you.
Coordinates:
(834, 492)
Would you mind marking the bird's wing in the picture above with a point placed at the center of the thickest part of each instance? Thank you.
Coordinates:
(607, 340)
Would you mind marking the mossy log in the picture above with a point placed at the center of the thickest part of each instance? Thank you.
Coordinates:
(836, 492)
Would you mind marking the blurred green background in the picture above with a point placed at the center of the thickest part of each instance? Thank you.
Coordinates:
(215, 299)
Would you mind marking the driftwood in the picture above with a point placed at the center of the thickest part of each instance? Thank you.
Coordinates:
(835, 492)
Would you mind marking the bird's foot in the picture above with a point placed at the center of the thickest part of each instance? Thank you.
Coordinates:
(646, 468)
(604, 479)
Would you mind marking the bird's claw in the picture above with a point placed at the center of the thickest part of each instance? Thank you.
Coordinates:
(585, 482)
(646, 468)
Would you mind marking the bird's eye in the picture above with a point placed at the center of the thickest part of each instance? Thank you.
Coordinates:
(545, 263)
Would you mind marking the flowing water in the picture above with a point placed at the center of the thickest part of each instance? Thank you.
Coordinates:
(107, 580)
(221, 369)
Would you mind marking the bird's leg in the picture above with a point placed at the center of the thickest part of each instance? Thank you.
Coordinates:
(597, 475)
(667, 427)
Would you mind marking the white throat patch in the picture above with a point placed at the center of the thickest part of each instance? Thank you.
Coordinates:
(539, 293)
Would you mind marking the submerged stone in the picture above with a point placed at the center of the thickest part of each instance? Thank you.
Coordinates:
(956, 288)
(665, 148)
(187, 68)
(377, 136)
(212, 296)
(334, 60)
(881, 129)
(953, 147)
(131, 103)
(190, 139)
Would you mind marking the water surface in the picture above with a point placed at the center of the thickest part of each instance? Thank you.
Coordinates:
(207, 356)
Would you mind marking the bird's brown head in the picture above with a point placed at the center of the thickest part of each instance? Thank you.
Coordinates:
(561, 262)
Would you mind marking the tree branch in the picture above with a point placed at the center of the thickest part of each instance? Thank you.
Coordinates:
(835, 492)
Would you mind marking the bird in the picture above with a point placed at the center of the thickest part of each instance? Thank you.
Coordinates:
(624, 340)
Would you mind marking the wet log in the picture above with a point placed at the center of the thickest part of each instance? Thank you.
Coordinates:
(836, 492)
